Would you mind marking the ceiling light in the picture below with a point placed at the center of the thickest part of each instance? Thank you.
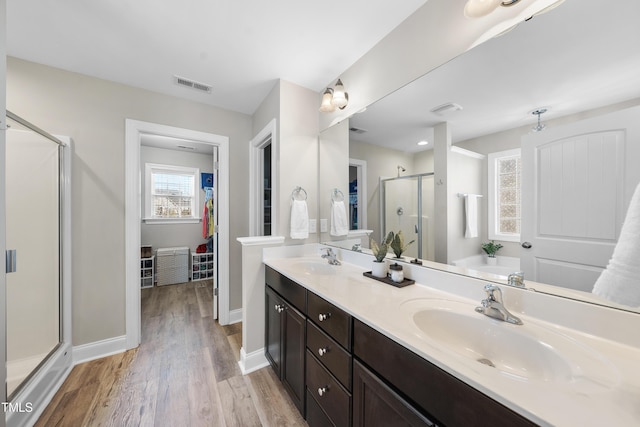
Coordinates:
(540, 126)
(334, 97)
(423, 142)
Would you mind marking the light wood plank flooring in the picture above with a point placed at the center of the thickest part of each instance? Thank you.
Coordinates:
(185, 373)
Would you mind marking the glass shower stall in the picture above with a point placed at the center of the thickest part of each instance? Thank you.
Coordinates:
(407, 205)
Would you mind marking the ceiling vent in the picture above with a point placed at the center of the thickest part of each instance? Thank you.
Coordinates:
(358, 131)
(192, 84)
(447, 108)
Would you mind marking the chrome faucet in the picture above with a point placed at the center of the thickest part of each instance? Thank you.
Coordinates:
(330, 256)
(357, 247)
(493, 306)
(516, 279)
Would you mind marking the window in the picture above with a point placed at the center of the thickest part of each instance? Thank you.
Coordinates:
(504, 195)
(171, 194)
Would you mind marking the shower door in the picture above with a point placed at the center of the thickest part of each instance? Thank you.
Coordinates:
(33, 231)
(407, 206)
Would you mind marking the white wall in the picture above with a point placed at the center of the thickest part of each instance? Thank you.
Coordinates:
(172, 235)
(334, 157)
(93, 112)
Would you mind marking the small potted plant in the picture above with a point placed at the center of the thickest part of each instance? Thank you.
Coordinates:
(379, 267)
(397, 244)
(491, 248)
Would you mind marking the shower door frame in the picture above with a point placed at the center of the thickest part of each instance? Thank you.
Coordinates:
(40, 386)
(383, 203)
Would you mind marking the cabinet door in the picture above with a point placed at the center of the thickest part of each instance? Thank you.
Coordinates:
(375, 404)
(273, 330)
(293, 355)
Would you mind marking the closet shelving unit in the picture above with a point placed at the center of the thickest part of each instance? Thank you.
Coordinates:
(201, 266)
(147, 276)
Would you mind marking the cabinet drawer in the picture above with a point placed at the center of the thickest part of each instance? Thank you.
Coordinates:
(335, 322)
(290, 290)
(330, 354)
(334, 400)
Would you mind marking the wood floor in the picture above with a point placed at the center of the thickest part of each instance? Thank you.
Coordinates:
(185, 373)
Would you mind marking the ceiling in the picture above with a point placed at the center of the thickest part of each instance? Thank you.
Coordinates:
(582, 55)
(240, 48)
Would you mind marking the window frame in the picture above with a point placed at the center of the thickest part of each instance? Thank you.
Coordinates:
(493, 199)
(153, 168)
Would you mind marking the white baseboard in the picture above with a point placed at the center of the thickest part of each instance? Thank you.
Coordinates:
(235, 316)
(253, 361)
(96, 350)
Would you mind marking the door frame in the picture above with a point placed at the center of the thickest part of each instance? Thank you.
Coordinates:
(256, 149)
(133, 130)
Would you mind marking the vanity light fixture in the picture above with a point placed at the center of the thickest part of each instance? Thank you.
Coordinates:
(478, 8)
(333, 98)
(540, 126)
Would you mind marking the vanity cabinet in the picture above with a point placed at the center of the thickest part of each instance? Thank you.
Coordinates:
(439, 395)
(285, 336)
(329, 363)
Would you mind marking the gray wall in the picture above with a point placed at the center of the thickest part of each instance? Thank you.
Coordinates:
(172, 235)
(93, 112)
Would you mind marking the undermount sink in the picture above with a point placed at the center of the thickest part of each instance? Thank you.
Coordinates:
(311, 266)
(521, 352)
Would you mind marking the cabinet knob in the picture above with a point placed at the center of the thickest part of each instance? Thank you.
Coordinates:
(324, 316)
(323, 390)
(323, 351)
(279, 308)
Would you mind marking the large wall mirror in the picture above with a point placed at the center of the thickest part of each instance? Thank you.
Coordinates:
(579, 62)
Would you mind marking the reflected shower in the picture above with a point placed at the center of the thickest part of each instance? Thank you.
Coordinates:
(401, 169)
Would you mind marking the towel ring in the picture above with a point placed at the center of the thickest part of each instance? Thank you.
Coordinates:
(297, 193)
(337, 195)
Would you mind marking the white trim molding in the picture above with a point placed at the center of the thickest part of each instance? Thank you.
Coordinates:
(253, 361)
(235, 316)
(133, 130)
(256, 145)
(99, 349)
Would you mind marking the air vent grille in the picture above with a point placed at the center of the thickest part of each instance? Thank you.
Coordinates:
(192, 84)
(447, 108)
(356, 130)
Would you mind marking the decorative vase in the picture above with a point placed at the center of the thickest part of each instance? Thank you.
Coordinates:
(379, 269)
(491, 260)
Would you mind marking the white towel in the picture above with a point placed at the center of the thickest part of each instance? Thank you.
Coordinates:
(620, 281)
(471, 215)
(299, 219)
(339, 222)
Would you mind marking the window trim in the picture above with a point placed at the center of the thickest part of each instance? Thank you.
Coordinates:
(492, 184)
(148, 216)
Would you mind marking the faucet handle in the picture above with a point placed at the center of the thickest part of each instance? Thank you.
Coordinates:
(494, 293)
(516, 279)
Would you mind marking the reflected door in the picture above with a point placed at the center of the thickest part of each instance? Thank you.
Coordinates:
(577, 182)
(33, 231)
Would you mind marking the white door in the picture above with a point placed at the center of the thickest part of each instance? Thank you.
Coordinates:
(577, 181)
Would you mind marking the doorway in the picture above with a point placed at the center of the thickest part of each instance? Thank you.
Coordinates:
(135, 132)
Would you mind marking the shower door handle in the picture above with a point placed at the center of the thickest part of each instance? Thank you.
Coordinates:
(11, 256)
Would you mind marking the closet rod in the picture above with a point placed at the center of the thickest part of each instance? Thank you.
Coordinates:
(34, 128)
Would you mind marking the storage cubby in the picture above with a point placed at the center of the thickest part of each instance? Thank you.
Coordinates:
(147, 272)
(201, 266)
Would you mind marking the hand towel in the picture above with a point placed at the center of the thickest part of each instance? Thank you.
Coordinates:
(339, 222)
(299, 219)
(620, 281)
(471, 215)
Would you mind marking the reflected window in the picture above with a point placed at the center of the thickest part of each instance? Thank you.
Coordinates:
(504, 195)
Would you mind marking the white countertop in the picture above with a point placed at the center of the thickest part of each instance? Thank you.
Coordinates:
(613, 399)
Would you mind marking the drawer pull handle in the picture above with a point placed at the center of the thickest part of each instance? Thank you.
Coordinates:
(322, 351)
(323, 390)
(324, 316)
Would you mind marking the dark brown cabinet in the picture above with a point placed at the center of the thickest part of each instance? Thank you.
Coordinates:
(285, 338)
(376, 405)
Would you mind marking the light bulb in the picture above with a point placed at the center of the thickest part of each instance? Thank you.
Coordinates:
(340, 97)
(327, 106)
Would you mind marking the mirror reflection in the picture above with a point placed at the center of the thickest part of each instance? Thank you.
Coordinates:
(554, 199)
